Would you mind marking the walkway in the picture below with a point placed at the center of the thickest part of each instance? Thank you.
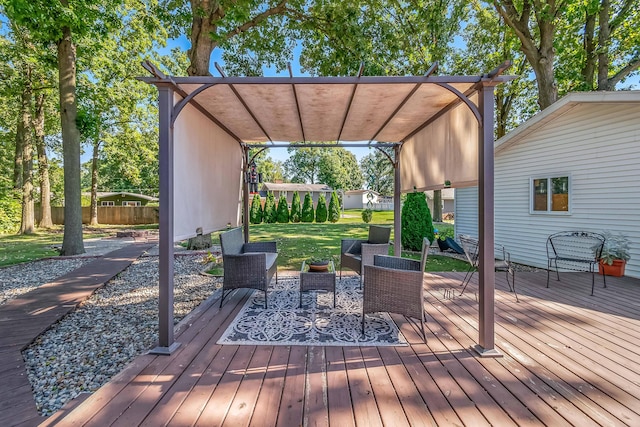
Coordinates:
(24, 318)
(569, 359)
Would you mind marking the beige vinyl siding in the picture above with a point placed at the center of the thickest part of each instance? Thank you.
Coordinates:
(598, 147)
(466, 211)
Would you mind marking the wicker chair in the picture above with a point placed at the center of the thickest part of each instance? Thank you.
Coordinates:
(395, 285)
(247, 265)
(356, 253)
(470, 246)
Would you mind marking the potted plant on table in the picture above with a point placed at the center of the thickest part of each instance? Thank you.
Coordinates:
(615, 254)
(317, 264)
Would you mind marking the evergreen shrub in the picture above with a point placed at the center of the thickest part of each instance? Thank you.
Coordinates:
(416, 221)
(334, 208)
(321, 209)
(307, 209)
(296, 210)
(255, 213)
(270, 213)
(283, 210)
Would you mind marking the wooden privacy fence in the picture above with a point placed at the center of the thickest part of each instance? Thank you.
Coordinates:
(120, 215)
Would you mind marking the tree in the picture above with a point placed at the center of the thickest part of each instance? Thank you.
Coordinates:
(270, 214)
(255, 213)
(296, 213)
(308, 213)
(378, 173)
(303, 164)
(338, 168)
(283, 210)
(57, 23)
(416, 221)
(334, 208)
(321, 209)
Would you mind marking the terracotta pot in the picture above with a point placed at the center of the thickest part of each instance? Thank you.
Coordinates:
(616, 269)
(319, 266)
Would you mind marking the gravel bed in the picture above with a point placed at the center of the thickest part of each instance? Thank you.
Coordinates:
(119, 322)
(17, 280)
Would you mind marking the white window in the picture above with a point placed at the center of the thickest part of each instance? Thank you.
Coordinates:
(550, 194)
(130, 203)
(107, 203)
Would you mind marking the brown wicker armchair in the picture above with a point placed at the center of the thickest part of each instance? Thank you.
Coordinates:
(395, 285)
(247, 265)
(355, 253)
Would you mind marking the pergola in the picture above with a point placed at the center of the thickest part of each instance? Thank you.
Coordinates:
(440, 128)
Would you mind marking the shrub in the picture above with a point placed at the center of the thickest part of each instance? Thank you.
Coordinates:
(10, 213)
(283, 210)
(307, 209)
(367, 215)
(255, 213)
(321, 209)
(416, 221)
(270, 213)
(334, 208)
(296, 213)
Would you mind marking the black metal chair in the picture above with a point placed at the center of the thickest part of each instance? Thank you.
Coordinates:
(470, 246)
(576, 251)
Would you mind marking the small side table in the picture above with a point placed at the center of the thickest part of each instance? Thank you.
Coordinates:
(318, 281)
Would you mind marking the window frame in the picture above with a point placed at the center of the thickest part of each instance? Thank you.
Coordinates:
(127, 203)
(549, 177)
(107, 203)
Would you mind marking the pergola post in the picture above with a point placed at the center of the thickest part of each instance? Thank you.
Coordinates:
(397, 224)
(486, 258)
(245, 195)
(166, 344)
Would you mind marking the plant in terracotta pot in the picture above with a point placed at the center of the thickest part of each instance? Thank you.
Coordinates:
(615, 254)
(318, 263)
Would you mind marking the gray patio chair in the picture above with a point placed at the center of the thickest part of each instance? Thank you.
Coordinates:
(395, 285)
(577, 251)
(247, 265)
(470, 246)
(356, 253)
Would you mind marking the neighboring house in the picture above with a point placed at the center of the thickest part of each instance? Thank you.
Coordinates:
(573, 166)
(288, 189)
(123, 199)
(448, 195)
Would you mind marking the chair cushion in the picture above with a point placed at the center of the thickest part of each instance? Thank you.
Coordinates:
(379, 235)
(271, 258)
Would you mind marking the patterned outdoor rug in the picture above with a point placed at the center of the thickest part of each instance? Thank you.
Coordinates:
(316, 323)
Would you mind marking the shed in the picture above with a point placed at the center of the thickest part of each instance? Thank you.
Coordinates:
(123, 198)
(359, 199)
(573, 166)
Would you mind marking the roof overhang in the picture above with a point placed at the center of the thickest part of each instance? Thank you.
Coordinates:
(561, 107)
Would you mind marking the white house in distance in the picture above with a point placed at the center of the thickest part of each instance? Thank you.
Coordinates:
(359, 199)
(288, 188)
(573, 166)
(447, 195)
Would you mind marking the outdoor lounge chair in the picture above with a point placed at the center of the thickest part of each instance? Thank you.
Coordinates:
(247, 265)
(577, 251)
(470, 245)
(356, 253)
(395, 285)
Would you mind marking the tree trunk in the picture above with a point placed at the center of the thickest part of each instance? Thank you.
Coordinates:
(94, 184)
(203, 12)
(72, 243)
(589, 68)
(604, 35)
(17, 164)
(437, 205)
(27, 225)
(43, 164)
(542, 63)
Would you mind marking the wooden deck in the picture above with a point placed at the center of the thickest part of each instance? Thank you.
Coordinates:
(569, 359)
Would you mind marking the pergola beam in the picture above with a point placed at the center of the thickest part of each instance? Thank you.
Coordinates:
(325, 145)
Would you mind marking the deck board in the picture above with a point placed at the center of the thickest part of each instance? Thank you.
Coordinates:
(568, 359)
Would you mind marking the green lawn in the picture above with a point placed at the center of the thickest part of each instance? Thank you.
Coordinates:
(296, 242)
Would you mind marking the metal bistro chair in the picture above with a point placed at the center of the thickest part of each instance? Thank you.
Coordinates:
(577, 251)
(471, 245)
(395, 285)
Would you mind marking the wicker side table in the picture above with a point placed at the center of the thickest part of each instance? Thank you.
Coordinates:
(318, 281)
